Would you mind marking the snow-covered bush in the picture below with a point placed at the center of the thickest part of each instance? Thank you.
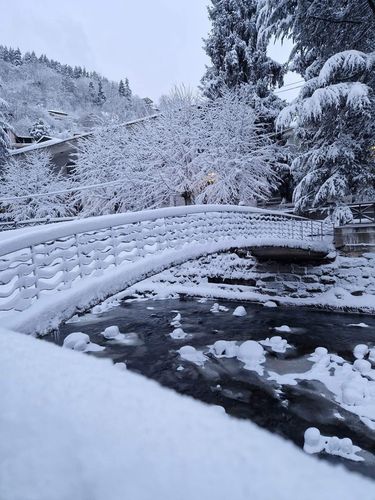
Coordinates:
(31, 189)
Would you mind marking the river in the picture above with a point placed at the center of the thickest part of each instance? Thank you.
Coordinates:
(287, 410)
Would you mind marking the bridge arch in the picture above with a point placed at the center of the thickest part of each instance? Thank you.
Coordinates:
(49, 273)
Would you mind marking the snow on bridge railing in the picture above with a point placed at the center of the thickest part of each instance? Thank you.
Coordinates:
(53, 258)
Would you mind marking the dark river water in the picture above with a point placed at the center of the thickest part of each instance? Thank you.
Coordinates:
(242, 393)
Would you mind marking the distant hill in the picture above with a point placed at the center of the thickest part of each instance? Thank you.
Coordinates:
(33, 86)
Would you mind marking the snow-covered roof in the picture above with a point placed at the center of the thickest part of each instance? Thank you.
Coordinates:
(55, 141)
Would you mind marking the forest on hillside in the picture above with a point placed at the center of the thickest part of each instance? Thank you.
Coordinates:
(33, 85)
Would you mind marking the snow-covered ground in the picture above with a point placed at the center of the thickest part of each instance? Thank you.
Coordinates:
(344, 284)
(75, 427)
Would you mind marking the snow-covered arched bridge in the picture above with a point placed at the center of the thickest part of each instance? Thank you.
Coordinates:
(48, 273)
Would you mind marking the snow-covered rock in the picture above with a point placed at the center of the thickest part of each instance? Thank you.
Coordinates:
(189, 353)
(176, 321)
(121, 366)
(283, 329)
(371, 355)
(316, 443)
(224, 349)
(362, 365)
(276, 343)
(319, 354)
(251, 353)
(218, 308)
(111, 332)
(178, 333)
(79, 341)
(360, 351)
(270, 303)
(239, 311)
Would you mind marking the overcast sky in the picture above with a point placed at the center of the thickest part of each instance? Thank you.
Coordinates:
(155, 43)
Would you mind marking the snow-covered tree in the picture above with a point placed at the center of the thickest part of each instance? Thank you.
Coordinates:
(26, 178)
(38, 130)
(334, 46)
(238, 55)
(207, 152)
(168, 149)
(318, 28)
(336, 130)
(100, 98)
(103, 161)
(4, 141)
(121, 88)
(238, 162)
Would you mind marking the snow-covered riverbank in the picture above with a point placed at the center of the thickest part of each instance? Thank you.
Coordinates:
(77, 427)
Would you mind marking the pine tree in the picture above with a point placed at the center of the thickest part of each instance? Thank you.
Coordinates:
(4, 141)
(334, 52)
(92, 92)
(236, 53)
(127, 92)
(38, 130)
(100, 98)
(17, 57)
(121, 88)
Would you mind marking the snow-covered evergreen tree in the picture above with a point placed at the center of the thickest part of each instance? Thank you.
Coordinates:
(38, 130)
(334, 52)
(4, 140)
(335, 126)
(127, 90)
(318, 28)
(28, 176)
(121, 88)
(238, 56)
(100, 98)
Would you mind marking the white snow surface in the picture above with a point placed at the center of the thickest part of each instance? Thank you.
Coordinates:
(76, 427)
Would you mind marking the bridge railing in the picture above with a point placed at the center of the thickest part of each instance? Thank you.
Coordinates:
(51, 259)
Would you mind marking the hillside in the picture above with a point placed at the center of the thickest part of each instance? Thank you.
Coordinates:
(34, 85)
